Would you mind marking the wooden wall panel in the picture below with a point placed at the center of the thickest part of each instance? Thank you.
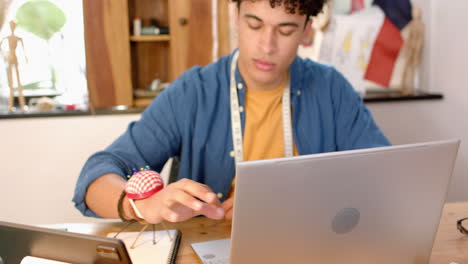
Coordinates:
(192, 43)
(179, 15)
(223, 28)
(200, 33)
(107, 52)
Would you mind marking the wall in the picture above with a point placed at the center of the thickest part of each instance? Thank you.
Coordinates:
(40, 160)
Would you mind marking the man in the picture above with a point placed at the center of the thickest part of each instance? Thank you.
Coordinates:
(229, 111)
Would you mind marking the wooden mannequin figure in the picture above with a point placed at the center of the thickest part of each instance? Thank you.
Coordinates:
(12, 61)
(412, 51)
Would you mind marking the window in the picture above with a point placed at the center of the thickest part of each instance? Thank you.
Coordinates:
(52, 62)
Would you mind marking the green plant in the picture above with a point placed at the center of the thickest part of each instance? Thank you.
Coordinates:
(43, 19)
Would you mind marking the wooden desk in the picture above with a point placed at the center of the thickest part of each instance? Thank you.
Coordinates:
(450, 245)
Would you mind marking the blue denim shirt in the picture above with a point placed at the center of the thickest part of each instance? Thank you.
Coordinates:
(191, 119)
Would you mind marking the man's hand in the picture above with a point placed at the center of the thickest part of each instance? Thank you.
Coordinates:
(180, 201)
(228, 207)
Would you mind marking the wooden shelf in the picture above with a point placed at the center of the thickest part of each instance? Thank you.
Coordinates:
(142, 102)
(397, 96)
(150, 38)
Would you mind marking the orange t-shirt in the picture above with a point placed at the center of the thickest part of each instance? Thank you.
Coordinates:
(263, 133)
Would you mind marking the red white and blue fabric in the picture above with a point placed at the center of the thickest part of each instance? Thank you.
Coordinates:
(143, 184)
(389, 41)
(357, 5)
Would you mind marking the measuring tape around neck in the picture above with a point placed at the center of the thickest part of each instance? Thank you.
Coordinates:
(236, 120)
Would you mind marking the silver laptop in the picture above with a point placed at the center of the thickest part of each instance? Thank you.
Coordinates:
(379, 205)
(19, 241)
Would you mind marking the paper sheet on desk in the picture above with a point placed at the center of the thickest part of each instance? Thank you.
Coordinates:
(33, 260)
(147, 252)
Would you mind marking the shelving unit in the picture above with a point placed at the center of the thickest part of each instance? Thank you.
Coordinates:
(118, 63)
(150, 54)
(150, 38)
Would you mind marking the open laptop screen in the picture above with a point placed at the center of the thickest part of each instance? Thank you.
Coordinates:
(20, 241)
(380, 205)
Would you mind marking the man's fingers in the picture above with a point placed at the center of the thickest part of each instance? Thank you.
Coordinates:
(181, 197)
(198, 190)
(183, 202)
(169, 215)
(228, 204)
(228, 214)
(212, 199)
(212, 212)
(178, 213)
(228, 208)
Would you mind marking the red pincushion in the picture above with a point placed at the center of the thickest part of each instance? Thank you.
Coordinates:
(143, 184)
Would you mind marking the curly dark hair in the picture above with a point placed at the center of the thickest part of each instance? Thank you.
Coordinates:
(306, 7)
